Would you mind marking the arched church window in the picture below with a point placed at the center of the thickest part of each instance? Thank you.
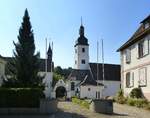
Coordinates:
(72, 86)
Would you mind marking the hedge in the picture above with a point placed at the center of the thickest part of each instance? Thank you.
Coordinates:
(20, 97)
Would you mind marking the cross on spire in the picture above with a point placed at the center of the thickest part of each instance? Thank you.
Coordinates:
(81, 30)
(81, 21)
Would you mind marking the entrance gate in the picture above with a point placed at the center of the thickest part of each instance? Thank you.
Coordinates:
(61, 92)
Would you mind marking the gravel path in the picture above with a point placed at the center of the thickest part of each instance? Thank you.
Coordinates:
(70, 110)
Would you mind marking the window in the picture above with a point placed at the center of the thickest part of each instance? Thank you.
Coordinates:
(140, 49)
(89, 89)
(83, 49)
(143, 48)
(129, 79)
(72, 86)
(83, 61)
(75, 61)
(128, 56)
(142, 77)
(97, 95)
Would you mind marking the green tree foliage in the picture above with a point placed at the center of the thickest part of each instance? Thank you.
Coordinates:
(58, 70)
(136, 93)
(60, 73)
(63, 72)
(56, 77)
(25, 64)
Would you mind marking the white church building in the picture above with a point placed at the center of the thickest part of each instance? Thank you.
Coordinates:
(83, 81)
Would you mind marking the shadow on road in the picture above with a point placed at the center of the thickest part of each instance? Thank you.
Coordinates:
(62, 114)
(117, 114)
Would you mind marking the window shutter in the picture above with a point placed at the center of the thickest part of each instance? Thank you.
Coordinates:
(128, 56)
(132, 80)
(137, 51)
(145, 50)
(128, 79)
(142, 77)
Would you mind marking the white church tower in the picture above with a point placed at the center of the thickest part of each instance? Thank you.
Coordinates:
(81, 51)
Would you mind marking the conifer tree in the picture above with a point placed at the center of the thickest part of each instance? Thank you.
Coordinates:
(26, 62)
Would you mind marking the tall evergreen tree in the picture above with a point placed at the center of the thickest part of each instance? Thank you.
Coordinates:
(26, 62)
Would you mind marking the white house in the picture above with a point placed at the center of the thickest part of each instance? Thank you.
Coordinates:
(83, 81)
(2, 69)
(135, 60)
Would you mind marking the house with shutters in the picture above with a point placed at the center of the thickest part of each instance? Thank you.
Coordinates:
(86, 79)
(135, 60)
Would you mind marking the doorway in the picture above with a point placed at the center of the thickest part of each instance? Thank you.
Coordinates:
(61, 92)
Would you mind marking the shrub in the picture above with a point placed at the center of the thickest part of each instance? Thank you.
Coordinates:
(20, 97)
(136, 93)
(137, 102)
(120, 97)
(83, 103)
(141, 103)
(131, 102)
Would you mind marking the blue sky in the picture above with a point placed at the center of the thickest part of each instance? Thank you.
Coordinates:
(59, 21)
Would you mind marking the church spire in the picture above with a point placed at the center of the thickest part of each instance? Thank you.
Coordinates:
(81, 30)
(49, 52)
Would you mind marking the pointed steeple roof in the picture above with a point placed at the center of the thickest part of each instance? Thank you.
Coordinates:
(82, 40)
(49, 50)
